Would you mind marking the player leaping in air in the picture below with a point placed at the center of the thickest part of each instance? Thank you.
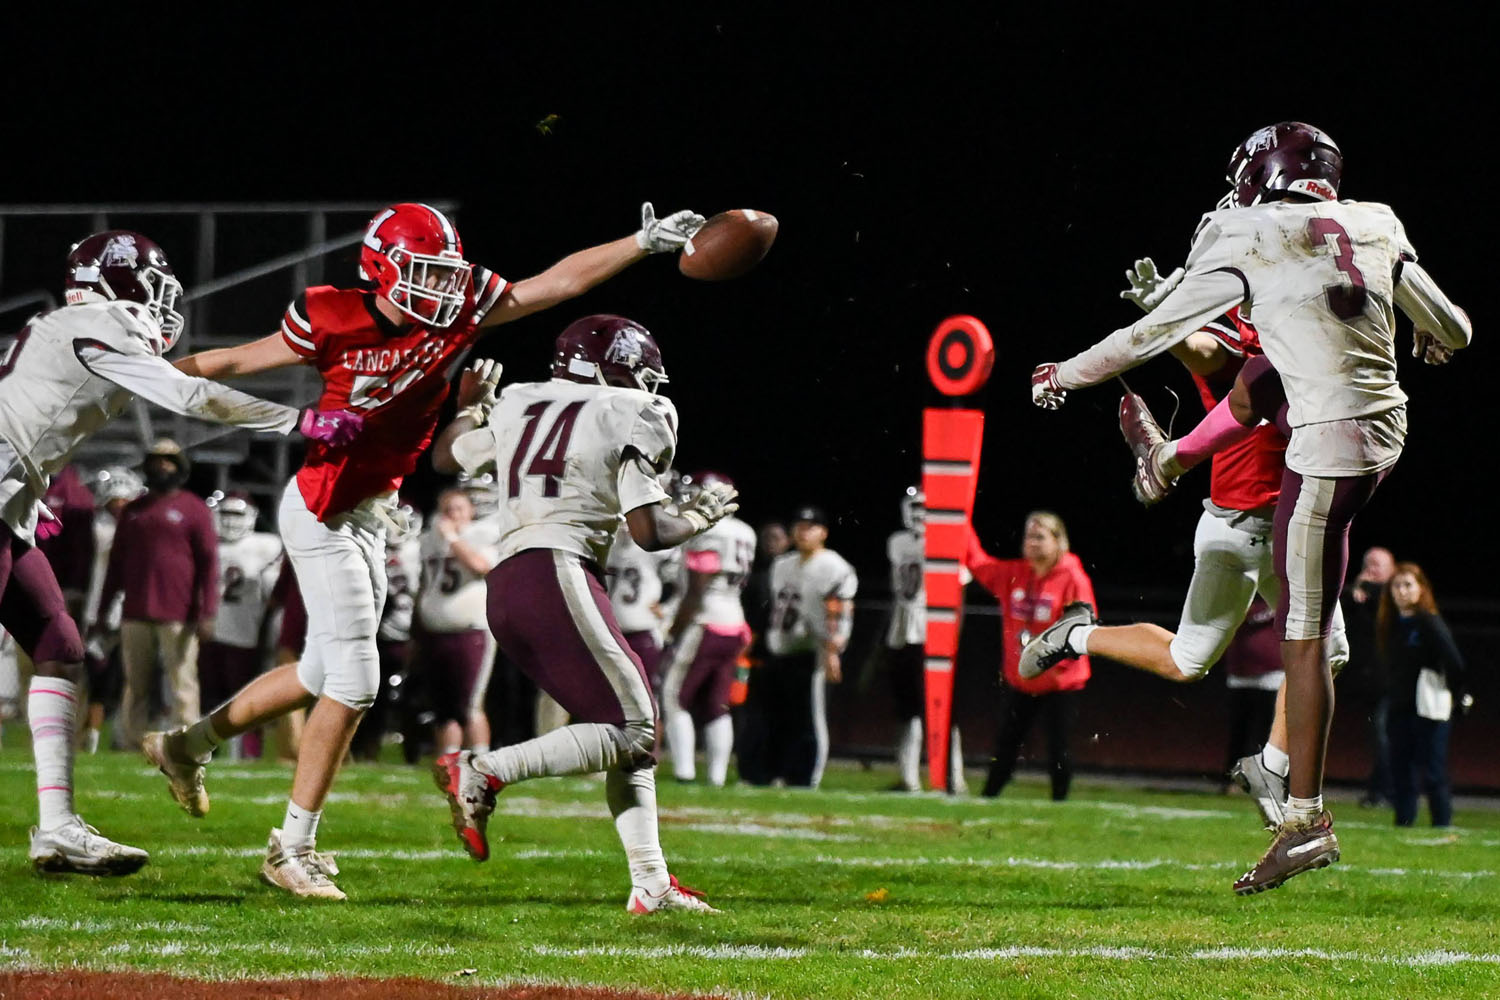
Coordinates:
(1231, 546)
(1320, 278)
(388, 353)
(64, 376)
(576, 456)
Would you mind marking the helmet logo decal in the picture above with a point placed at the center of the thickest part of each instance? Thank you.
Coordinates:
(626, 348)
(120, 251)
(1262, 139)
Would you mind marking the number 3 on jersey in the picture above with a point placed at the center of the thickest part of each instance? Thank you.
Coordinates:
(550, 456)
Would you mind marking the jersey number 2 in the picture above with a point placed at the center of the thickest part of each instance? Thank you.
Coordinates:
(551, 454)
(1345, 301)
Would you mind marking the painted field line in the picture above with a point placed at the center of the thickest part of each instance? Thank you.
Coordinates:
(99, 926)
(204, 949)
(830, 860)
(754, 953)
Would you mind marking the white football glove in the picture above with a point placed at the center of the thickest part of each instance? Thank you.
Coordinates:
(667, 235)
(712, 505)
(1147, 286)
(1425, 346)
(488, 371)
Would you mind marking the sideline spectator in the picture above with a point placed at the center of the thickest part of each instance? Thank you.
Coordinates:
(1033, 591)
(165, 560)
(751, 741)
(811, 617)
(1253, 674)
(70, 548)
(1426, 674)
(1365, 682)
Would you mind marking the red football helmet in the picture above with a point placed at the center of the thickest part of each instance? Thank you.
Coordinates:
(413, 255)
(609, 350)
(1282, 159)
(120, 264)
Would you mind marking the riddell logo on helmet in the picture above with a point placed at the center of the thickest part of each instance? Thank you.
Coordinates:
(120, 251)
(1315, 188)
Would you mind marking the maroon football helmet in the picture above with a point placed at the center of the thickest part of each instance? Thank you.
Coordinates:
(120, 264)
(1282, 159)
(609, 350)
(413, 255)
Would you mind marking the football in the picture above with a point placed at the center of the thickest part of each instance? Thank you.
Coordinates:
(728, 245)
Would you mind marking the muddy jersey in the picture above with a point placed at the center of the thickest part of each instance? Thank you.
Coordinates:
(571, 459)
(396, 377)
(800, 590)
(403, 575)
(905, 550)
(70, 371)
(725, 550)
(452, 594)
(248, 569)
(636, 580)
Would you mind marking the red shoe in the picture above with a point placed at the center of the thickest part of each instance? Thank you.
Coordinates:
(676, 897)
(471, 799)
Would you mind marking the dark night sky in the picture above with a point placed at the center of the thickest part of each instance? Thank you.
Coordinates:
(918, 167)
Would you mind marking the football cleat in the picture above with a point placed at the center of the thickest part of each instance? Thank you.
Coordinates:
(1050, 646)
(78, 848)
(1296, 848)
(300, 871)
(471, 799)
(184, 773)
(675, 897)
(1139, 427)
(1265, 788)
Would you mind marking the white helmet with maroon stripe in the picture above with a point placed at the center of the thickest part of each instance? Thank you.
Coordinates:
(413, 255)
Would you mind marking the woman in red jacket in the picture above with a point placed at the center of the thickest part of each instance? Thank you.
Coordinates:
(1032, 592)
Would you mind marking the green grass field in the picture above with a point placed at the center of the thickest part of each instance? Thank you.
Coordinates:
(845, 892)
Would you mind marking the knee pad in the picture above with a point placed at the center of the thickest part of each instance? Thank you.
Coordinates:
(356, 681)
(1187, 664)
(637, 741)
(58, 641)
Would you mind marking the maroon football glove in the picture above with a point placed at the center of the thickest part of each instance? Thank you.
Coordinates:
(1046, 392)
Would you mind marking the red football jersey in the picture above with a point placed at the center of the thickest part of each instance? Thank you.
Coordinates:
(1247, 475)
(397, 377)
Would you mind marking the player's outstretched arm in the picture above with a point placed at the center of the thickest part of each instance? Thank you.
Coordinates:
(261, 355)
(578, 272)
(1440, 326)
(655, 526)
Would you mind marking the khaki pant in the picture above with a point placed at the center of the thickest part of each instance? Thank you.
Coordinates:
(142, 646)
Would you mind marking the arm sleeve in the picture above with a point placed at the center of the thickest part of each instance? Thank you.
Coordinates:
(1424, 303)
(154, 379)
(475, 450)
(1201, 298)
(488, 287)
(205, 545)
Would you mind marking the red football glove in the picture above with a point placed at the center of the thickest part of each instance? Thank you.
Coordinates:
(46, 529)
(1046, 392)
(331, 427)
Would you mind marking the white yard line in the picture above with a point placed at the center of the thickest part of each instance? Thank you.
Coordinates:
(753, 953)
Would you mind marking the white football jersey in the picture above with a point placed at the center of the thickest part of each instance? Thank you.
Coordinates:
(70, 371)
(571, 459)
(726, 550)
(907, 553)
(452, 598)
(1320, 284)
(635, 578)
(799, 592)
(403, 575)
(248, 569)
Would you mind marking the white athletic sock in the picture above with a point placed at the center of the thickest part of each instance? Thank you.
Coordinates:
(300, 826)
(1276, 760)
(90, 741)
(681, 744)
(909, 754)
(1078, 638)
(1303, 810)
(718, 745)
(632, 802)
(956, 783)
(201, 739)
(52, 709)
(584, 748)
